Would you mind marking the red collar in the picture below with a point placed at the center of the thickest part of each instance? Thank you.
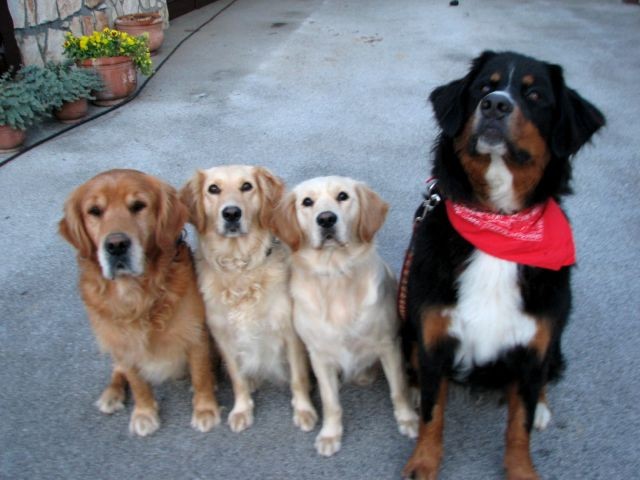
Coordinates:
(539, 236)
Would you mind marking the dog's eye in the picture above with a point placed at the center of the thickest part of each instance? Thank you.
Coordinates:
(95, 211)
(486, 88)
(246, 186)
(214, 189)
(533, 95)
(342, 196)
(137, 206)
(307, 202)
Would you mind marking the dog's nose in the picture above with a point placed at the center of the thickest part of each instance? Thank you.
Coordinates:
(117, 243)
(231, 214)
(496, 105)
(326, 219)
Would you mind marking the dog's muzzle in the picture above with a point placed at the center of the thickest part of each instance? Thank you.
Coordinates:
(118, 253)
(231, 216)
(495, 111)
(327, 223)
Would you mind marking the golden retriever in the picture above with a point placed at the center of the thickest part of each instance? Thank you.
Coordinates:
(243, 274)
(139, 287)
(343, 293)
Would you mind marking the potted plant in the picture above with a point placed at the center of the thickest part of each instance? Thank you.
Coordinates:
(75, 86)
(115, 56)
(139, 23)
(21, 105)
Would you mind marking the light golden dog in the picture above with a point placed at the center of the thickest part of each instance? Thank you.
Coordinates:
(243, 274)
(139, 287)
(343, 293)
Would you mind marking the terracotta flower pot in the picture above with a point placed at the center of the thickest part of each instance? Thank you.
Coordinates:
(138, 23)
(72, 112)
(118, 75)
(10, 138)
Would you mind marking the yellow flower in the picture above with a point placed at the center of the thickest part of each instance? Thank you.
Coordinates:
(83, 43)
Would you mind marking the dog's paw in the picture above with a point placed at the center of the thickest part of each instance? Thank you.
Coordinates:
(522, 474)
(409, 427)
(110, 401)
(542, 417)
(305, 419)
(328, 445)
(408, 421)
(418, 469)
(144, 422)
(204, 420)
(240, 420)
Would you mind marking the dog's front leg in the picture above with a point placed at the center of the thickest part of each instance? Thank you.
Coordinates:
(206, 413)
(144, 418)
(435, 359)
(523, 397)
(425, 460)
(304, 415)
(527, 406)
(391, 359)
(112, 398)
(241, 416)
(329, 439)
(517, 459)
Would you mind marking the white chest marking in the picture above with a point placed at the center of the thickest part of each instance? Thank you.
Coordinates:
(488, 318)
(500, 181)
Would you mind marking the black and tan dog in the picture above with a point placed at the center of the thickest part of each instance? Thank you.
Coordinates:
(488, 291)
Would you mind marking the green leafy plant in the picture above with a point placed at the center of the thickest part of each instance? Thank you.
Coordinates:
(43, 83)
(74, 83)
(21, 103)
(110, 43)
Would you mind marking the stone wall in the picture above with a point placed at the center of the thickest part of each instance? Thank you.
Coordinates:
(40, 25)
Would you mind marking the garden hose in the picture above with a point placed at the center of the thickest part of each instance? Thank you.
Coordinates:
(124, 102)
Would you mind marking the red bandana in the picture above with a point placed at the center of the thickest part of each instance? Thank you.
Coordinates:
(539, 236)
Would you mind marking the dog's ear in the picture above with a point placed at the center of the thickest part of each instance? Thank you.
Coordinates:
(372, 214)
(172, 214)
(191, 197)
(575, 119)
(270, 189)
(71, 226)
(450, 101)
(284, 222)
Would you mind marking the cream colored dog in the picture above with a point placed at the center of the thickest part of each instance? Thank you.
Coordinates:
(343, 293)
(243, 275)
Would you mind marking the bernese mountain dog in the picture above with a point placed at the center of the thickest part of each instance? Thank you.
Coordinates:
(487, 292)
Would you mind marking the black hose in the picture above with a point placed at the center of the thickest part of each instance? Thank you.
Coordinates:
(124, 102)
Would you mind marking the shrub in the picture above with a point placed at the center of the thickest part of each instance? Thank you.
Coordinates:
(74, 83)
(21, 103)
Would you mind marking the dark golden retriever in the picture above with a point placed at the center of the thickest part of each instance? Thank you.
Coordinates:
(139, 287)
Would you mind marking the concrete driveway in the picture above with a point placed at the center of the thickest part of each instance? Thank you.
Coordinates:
(307, 88)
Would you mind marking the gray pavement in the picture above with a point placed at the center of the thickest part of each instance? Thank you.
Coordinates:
(307, 88)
